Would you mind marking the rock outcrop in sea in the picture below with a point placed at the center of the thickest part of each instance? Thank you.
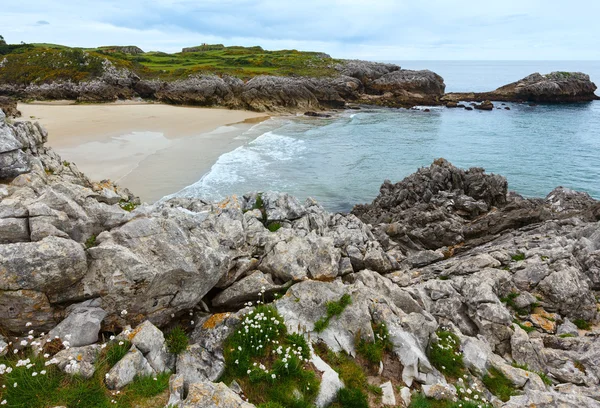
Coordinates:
(555, 87)
(447, 260)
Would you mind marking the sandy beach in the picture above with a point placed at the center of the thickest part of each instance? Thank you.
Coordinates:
(152, 149)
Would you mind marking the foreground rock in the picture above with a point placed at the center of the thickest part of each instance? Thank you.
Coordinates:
(550, 88)
(444, 250)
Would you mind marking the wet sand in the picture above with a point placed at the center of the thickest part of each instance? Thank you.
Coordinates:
(152, 149)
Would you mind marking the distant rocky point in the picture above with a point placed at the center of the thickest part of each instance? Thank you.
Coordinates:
(556, 87)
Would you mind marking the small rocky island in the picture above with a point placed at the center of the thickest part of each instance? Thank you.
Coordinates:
(555, 87)
(446, 289)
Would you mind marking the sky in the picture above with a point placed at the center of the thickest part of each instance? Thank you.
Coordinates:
(378, 30)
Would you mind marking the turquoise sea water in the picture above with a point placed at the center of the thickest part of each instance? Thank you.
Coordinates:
(343, 161)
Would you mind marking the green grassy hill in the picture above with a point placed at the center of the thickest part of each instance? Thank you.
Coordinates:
(39, 63)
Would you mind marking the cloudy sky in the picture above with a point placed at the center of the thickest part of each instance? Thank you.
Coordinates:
(369, 29)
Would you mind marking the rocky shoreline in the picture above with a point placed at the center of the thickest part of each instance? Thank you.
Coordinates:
(356, 82)
(444, 254)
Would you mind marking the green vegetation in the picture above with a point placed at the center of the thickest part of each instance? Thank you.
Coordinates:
(510, 301)
(40, 384)
(177, 340)
(333, 309)
(582, 324)
(542, 375)
(273, 226)
(497, 383)
(41, 63)
(351, 373)
(518, 257)
(445, 354)
(351, 398)
(566, 335)
(270, 365)
(115, 352)
(127, 205)
(372, 351)
(528, 329)
(90, 242)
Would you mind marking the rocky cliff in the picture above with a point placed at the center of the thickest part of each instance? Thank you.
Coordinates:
(354, 81)
(472, 285)
(555, 87)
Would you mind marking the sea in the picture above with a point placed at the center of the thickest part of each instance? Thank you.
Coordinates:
(343, 160)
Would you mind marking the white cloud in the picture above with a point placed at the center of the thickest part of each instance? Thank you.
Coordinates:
(376, 29)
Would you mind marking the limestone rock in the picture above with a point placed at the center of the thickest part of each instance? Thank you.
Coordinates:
(78, 360)
(212, 395)
(81, 327)
(148, 339)
(132, 365)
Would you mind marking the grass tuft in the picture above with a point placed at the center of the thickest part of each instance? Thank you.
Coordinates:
(177, 340)
(582, 324)
(373, 351)
(497, 383)
(445, 354)
(334, 308)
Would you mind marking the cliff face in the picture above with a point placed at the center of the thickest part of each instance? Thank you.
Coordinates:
(444, 250)
(555, 87)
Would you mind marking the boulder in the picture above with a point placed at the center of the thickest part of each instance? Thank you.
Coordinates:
(124, 372)
(148, 339)
(212, 395)
(81, 327)
(78, 360)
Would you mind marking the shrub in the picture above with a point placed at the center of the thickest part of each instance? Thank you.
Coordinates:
(177, 340)
(445, 354)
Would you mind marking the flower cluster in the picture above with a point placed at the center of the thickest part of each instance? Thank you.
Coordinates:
(445, 354)
(472, 394)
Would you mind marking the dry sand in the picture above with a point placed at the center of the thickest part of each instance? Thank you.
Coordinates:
(152, 149)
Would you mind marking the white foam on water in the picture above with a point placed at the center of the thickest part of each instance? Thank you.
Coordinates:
(254, 158)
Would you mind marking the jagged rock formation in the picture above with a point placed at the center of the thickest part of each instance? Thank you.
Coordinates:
(549, 88)
(444, 248)
(358, 81)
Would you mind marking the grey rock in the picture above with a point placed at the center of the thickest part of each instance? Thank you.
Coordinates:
(197, 364)
(211, 395)
(148, 339)
(567, 327)
(330, 382)
(13, 230)
(439, 391)
(545, 399)
(249, 288)
(78, 360)
(132, 365)
(388, 398)
(81, 327)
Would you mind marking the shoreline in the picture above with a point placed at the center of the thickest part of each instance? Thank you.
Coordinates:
(152, 149)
